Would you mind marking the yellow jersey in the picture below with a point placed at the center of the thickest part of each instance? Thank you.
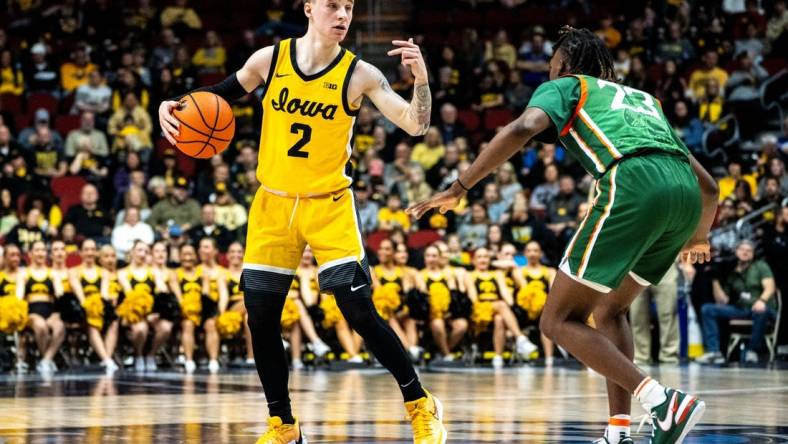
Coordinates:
(307, 129)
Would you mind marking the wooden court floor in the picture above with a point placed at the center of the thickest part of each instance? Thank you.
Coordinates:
(521, 405)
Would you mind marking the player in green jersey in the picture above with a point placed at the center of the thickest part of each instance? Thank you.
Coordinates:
(653, 202)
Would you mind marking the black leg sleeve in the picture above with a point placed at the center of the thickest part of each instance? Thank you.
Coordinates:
(265, 312)
(380, 339)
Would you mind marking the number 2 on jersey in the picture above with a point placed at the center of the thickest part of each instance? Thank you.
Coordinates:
(295, 151)
(625, 91)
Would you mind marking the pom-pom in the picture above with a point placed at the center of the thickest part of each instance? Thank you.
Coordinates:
(13, 314)
(228, 324)
(94, 311)
(290, 314)
(482, 315)
(135, 307)
(440, 299)
(191, 307)
(386, 301)
(532, 298)
(331, 313)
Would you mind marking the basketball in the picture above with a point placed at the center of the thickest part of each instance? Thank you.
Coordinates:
(207, 125)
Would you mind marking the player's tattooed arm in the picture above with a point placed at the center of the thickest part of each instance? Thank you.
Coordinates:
(421, 107)
(413, 117)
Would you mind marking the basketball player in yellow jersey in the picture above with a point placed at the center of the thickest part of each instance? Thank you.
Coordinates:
(313, 91)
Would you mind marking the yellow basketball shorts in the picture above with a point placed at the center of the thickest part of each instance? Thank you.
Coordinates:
(279, 229)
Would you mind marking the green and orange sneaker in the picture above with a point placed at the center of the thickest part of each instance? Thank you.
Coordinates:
(672, 420)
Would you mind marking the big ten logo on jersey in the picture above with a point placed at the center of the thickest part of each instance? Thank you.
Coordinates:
(306, 108)
(329, 85)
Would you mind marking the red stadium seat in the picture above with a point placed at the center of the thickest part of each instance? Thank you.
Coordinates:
(375, 238)
(66, 103)
(73, 260)
(66, 123)
(469, 118)
(42, 100)
(495, 118)
(222, 260)
(67, 189)
(11, 103)
(423, 238)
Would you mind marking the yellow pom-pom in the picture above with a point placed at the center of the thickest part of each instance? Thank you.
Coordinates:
(331, 313)
(386, 301)
(13, 314)
(228, 324)
(440, 299)
(482, 315)
(135, 307)
(290, 314)
(191, 307)
(532, 298)
(94, 311)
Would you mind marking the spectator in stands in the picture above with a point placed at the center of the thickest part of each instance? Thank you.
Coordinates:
(140, 17)
(496, 206)
(211, 57)
(671, 86)
(177, 209)
(242, 51)
(449, 126)
(7, 145)
(363, 130)
(429, 152)
(776, 35)
(8, 219)
(665, 296)
(728, 183)
(87, 130)
(131, 230)
(128, 81)
(229, 213)
(48, 159)
(608, 33)
(517, 94)
(675, 47)
(711, 106)
(500, 49)
(182, 69)
(367, 209)
(416, 189)
(392, 216)
(446, 170)
(40, 74)
(775, 170)
(752, 43)
(727, 235)
(688, 127)
(562, 209)
(473, 232)
(281, 20)
(86, 164)
(51, 215)
(546, 190)
(28, 137)
(747, 292)
(180, 15)
(708, 70)
(139, 68)
(75, 72)
(134, 197)
(637, 77)
(775, 246)
(208, 227)
(93, 96)
(131, 127)
(534, 57)
(522, 228)
(16, 176)
(450, 78)
(88, 218)
(769, 194)
(12, 80)
(26, 233)
(744, 94)
(508, 186)
(164, 54)
(622, 64)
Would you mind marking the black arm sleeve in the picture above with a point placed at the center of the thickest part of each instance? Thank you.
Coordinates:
(229, 89)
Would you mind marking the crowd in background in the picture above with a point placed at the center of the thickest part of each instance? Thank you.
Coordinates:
(83, 158)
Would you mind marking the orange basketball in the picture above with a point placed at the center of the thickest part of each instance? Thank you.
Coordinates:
(207, 124)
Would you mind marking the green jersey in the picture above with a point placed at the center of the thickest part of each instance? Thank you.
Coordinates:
(600, 122)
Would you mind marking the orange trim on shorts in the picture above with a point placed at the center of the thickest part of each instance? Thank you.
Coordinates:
(598, 225)
(580, 103)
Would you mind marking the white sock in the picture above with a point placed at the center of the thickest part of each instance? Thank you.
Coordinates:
(650, 393)
(617, 428)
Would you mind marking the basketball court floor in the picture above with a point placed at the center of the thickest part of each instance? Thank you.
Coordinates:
(518, 405)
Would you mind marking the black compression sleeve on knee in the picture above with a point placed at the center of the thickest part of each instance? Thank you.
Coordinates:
(229, 89)
(380, 339)
(265, 312)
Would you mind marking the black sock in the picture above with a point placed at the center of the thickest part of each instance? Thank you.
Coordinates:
(378, 336)
(265, 312)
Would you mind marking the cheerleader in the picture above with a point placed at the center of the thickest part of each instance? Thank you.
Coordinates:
(291, 328)
(9, 275)
(214, 300)
(100, 313)
(196, 306)
(112, 293)
(491, 301)
(311, 296)
(538, 279)
(139, 285)
(416, 300)
(166, 304)
(235, 264)
(69, 305)
(390, 284)
(41, 289)
(440, 284)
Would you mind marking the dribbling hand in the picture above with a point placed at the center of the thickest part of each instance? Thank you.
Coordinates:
(169, 124)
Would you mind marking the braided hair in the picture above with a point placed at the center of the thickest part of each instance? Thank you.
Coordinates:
(585, 53)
